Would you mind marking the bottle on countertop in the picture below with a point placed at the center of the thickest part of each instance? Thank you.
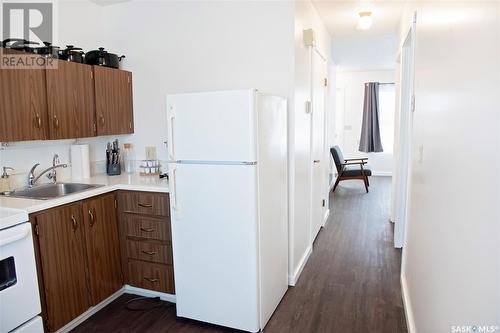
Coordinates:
(5, 185)
(128, 158)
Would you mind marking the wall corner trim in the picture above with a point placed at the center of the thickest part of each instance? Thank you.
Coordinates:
(292, 280)
(410, 321)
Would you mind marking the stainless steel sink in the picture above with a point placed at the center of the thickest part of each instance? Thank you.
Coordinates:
(51, 191)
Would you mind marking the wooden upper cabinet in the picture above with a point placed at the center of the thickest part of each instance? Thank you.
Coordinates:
(23, 105)
(62, 254)
(114, 107)
(71, 101)
(103, 247)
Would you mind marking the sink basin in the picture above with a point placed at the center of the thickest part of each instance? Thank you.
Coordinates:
(50, 191)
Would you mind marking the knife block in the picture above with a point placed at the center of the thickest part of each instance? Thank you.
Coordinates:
(113, 169)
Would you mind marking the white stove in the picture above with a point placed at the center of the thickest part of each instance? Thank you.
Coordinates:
(19, 297)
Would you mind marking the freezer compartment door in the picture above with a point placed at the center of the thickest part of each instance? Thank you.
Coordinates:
(212, 126)
(215, 243)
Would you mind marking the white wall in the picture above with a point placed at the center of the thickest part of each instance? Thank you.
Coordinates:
(306, 17)
(351, 86)
(451, 266)
(174, 46)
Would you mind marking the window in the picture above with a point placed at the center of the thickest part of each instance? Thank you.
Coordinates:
(387, 106)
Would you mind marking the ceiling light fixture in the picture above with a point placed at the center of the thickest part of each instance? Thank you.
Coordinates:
(365, 20)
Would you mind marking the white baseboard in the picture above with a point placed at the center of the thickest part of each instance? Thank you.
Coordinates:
(125, 289)
(325, 218)
(149, 293)
(382, 173)
(292, 280)
(90, 312)
(410, 322)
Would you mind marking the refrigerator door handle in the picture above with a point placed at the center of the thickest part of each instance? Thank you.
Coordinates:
(173, 194)
(171, 135)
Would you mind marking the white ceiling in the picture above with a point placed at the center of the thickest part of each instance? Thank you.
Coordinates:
(354, 49)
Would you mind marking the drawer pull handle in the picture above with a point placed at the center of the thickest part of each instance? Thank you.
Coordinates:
(147, 229)
(75, 225)
(149, 252)
(151, 280)
(145, 205)
(92, 219)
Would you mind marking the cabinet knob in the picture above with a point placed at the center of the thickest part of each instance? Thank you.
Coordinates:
(103, 121)
(38, 121)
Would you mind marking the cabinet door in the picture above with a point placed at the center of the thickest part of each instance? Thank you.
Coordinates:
(62, 253)
(23, 105)
(71, 102)
(103, 247)
(113, 93)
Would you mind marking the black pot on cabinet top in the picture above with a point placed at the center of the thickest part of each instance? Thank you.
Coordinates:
(18, 44)
(71, 53)
(48, 50)
(101, 57)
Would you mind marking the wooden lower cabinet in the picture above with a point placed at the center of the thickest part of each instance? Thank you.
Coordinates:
(87, 250)
(103, 247)
(79, 257)
(146, 240)
(64, 270)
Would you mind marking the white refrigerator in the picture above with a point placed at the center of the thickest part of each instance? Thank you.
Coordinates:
(228, 198)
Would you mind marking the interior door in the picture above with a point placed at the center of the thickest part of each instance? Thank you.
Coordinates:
(214, 237)
(114, 106)
(23, 104)
(103, 247)
(319, 162)
(62, 252)
(71, 101)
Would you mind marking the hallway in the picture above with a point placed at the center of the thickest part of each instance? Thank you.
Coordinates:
(351, 281)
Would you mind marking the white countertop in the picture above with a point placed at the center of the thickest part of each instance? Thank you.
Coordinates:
(111, 183)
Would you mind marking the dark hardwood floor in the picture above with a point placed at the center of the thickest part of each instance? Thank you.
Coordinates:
(350, 283)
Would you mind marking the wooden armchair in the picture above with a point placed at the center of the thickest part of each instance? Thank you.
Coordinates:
(350, 168)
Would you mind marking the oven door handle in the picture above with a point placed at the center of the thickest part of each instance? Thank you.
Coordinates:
(14, 234)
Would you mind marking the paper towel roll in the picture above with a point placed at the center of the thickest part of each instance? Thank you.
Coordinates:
(80, 162)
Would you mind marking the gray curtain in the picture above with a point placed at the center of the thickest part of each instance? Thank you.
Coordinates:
(370, 141)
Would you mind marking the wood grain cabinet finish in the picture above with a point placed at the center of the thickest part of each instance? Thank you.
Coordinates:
(147, 203)
(23, 105)
(151, 276)
(114, 105)
(146, 240)
(103, 247)
(62, 255)
(78, 254)
(71, 101)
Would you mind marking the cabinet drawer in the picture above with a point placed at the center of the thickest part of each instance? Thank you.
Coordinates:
(147, 203)
(149, 251)
(147, 227)
(151, 276)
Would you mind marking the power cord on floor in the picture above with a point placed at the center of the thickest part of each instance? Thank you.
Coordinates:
(143, 305)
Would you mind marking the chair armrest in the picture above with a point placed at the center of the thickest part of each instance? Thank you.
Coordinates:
(356, 159)
(354, 163)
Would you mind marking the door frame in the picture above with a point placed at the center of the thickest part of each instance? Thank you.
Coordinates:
(407, 107)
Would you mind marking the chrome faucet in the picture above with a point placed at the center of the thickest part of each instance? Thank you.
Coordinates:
(52, 173)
